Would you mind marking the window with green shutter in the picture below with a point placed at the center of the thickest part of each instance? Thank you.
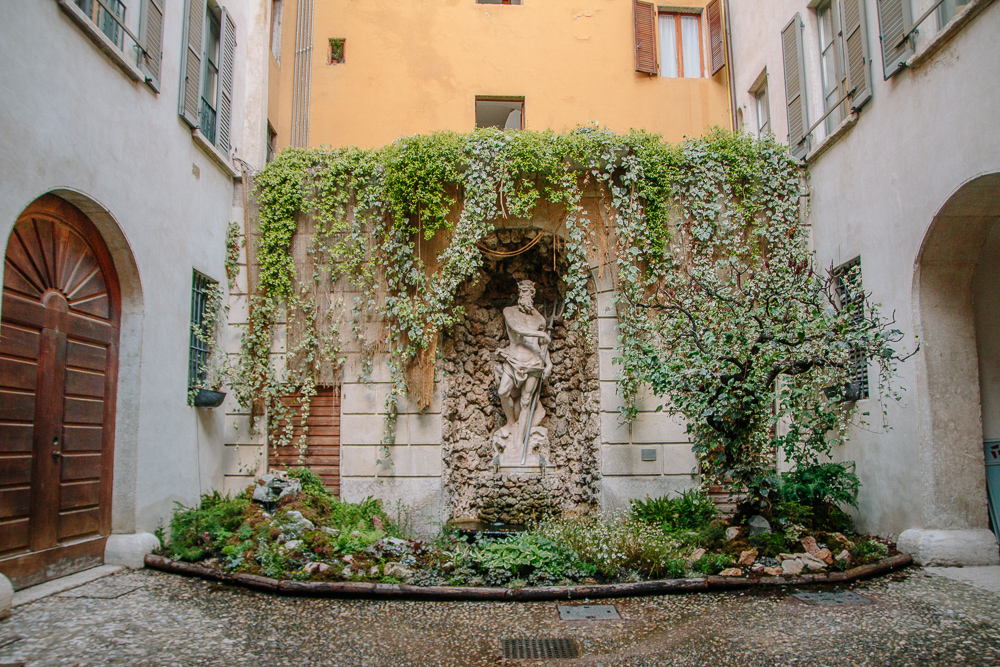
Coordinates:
(207, 67)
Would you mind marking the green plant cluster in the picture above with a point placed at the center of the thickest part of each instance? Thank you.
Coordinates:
(528, 557)
(690, 510)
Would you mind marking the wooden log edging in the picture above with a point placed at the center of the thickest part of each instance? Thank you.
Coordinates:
(352, 589)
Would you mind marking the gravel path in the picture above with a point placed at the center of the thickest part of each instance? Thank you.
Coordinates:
(152, 618)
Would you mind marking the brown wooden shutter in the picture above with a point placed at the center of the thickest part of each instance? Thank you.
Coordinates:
(151, 33)
(795, 87)
(716, 40)
(644, 15)
(894, 21)
(321, 453)
(858, 57)
(194, 29)
(228, 47)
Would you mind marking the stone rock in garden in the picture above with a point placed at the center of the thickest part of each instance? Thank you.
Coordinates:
(842, 541)
(731, 572)
(397, 570)
(274, 486)
(314, 567)
(757, 568)
(812, 562)
(330, 531)
(825, 556)
(809, 544)
(788, 556)
(448, 567)
(291, 545)
(695, 556)
(374, 571)
(758, 525)
(843, 555)
(792, 566)
(732, 533)
(773, 571)
(395, 541)
(748, 557)
(346, 572)
(348, 559)
(294, 522)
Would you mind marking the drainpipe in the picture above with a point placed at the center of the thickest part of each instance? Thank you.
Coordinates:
(731, 74)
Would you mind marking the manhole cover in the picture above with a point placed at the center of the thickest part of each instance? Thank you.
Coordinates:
(588, 612)
(825, 598)
(535, 648)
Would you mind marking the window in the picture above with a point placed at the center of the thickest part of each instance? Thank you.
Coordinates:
(106, 23)
(198, 354)
(505, 113)
(277, 9)
(946, 11)
(207, 63)
(109, 16)
(337, 49)
(680, 46)
(850, 294)
(831, 48)
(762, 110)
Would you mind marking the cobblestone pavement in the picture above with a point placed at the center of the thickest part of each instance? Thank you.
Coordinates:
(151, 618)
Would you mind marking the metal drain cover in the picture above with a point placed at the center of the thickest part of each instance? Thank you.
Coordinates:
(539, 648)
(588, 612)
(827, 598)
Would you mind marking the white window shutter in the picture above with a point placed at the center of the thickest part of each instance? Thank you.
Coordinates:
(795, 87)
(858, 57)
(191, 54)
(894, 21)
(228, 49)
(151, 34)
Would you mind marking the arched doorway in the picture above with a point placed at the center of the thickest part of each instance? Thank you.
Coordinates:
(956, 287)
(59, 329)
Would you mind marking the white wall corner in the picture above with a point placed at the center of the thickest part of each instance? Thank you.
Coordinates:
(950, 547)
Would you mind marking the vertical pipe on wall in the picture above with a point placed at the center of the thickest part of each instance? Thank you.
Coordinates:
(301, 83)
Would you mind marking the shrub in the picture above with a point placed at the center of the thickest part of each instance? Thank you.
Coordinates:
(869, 551)
(691, 510)
(713, 563)
(770, 544)
(614, 543)
(712, 536)
(674, 568)
(524, 555)
(199, 532)
(814, 485)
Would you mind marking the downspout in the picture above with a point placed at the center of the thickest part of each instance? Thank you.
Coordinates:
(730, 75)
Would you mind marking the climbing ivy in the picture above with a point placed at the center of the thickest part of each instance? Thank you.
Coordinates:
(373, 217)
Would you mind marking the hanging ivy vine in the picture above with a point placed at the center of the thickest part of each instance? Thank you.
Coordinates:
(377, 213)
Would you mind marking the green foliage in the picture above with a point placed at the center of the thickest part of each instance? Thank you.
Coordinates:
(869, 551)
(674, 568)
(233, 247)
(197, 532)
(813, 485)
(713, 563)
(690, 510)
(525, 555)
(770, 544)
(712, 536)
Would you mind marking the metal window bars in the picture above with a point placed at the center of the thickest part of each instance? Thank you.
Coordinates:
(109, 17)
(851, 295)
(199, 352)
(206, 121)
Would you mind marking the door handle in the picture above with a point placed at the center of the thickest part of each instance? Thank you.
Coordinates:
(56, 453)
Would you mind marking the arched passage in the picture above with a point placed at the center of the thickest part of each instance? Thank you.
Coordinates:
(956, 284)
(59, 373)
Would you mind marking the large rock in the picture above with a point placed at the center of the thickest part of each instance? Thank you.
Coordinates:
(398, 570)
(731, 572)
(950, 547)
(6, 597)
(748, 557)
(274, 486)
(812, 562)
(758, 525)
(293, 522)
(809, 544)
(130, 549)
(789, 567)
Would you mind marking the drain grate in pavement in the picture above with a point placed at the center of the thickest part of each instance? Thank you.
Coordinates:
(588, 612)
(827, 598)
(539, 648)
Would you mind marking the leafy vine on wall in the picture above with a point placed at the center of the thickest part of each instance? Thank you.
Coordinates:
(401, 226)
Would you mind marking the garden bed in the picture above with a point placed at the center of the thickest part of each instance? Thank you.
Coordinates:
(535, 593)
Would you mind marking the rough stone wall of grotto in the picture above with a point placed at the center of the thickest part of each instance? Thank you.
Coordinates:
(471, 407)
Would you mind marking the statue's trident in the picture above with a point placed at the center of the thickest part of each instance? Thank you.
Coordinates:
(551, 315)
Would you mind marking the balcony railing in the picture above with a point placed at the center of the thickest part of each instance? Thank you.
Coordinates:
(109, 17)
(207, 120)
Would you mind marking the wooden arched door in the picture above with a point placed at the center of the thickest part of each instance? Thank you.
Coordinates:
(58, 369)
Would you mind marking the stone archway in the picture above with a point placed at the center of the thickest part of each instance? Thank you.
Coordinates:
(951, 299)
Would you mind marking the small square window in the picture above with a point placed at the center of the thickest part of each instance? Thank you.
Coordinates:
(337, 49)
(505, 113)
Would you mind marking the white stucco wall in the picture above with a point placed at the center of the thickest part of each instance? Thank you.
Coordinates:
(875, 194)
(74, 123)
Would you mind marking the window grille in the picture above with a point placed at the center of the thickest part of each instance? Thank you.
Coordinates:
(851, 295)
(199, 352)
(109, 16)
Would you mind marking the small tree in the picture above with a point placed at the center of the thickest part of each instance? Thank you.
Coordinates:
(745, 338)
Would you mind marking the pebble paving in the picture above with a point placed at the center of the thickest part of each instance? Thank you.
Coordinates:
(153, 618)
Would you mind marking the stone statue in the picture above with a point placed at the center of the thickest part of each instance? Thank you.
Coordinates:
(524, 363)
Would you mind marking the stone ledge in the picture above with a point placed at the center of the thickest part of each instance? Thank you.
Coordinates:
(350, 589)
(950, 547)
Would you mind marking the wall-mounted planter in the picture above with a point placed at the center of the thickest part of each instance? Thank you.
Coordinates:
(206, 398)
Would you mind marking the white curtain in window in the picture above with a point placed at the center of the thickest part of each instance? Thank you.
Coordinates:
(692, 46)
(668, 46)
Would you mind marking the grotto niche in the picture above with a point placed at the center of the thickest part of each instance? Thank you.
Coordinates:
(561, 472)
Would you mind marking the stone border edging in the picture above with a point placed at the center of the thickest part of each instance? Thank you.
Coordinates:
(406, 592)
